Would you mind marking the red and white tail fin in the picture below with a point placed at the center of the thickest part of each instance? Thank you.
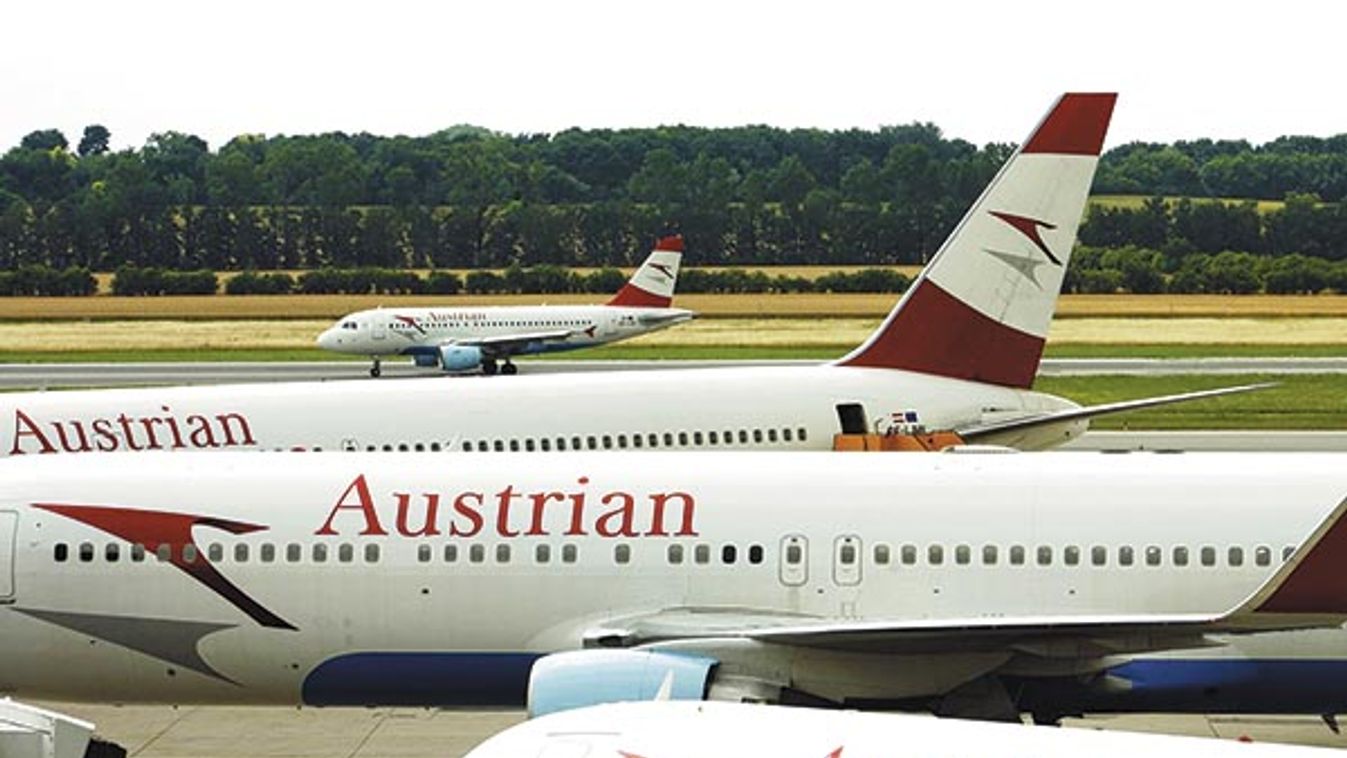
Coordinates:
(980, 309)
(652, 286)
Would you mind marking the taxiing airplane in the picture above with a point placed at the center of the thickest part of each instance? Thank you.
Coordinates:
(464, 339)
(733, 730)
(436, 580)
(958, 352)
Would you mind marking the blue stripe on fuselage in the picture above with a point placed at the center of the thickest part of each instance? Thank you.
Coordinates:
(420, 679)
(1287, 685)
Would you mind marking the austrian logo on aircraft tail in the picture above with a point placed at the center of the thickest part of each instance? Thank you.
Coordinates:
(1031, 228)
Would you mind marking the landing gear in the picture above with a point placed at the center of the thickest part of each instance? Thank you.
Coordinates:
(509, 369)
(375, 370)
(489, 367)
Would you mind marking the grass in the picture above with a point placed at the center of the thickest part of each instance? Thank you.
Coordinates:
(1300, 401)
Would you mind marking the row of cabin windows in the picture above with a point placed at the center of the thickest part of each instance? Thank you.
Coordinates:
(675, 554)
(1234, 556)
(267, 552)
(459, 323)
(635, 441)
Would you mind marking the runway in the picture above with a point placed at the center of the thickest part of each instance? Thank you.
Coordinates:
(60, 375)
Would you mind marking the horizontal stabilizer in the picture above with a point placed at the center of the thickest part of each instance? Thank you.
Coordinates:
(982, 432)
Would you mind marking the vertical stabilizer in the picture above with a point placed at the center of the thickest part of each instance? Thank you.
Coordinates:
(981, 308)
(652, 286)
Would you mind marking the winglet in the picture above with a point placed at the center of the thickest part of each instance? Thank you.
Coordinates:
(652, 286)
(1309, 584)
(980, 310)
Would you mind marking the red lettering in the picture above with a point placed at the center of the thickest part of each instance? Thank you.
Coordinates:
(24, 427)
(503, 499)
(428, 527)
(577, 528)
(540, 499)
(364, 503)
(658, 502)
(623, 515)
(473, 515)
(107, 441)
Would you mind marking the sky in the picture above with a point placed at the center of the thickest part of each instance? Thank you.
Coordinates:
(981, 71)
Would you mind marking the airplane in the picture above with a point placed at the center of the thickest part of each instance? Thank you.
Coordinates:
(566, 580)
(957, 353)
(662, 729)
(464, 339)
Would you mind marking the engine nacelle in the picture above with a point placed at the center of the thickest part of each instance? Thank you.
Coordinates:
(460, 357)
(426, 360)
(563, 681)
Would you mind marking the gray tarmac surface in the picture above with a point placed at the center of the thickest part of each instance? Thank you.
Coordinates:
(56, 375)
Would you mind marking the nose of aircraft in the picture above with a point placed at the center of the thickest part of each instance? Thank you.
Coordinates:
(329, 339)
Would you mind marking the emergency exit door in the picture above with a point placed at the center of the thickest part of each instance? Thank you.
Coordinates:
(9, 527)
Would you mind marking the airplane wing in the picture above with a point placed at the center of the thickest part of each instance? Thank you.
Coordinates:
(983, 432)
(1305, 592)
(506, 344)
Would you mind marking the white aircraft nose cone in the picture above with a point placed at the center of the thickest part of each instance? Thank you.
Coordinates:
(327, 340)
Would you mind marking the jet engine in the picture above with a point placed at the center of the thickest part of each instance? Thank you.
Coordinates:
(563, 681)
(460, 357)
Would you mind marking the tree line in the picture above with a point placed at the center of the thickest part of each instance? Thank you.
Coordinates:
(466, 197)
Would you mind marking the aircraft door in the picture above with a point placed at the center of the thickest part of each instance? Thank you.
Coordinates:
(9, 527)
(794, 560)
(380, 328)
(847, 560)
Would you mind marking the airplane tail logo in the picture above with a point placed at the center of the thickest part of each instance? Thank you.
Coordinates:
(981, 308)
(652, 286)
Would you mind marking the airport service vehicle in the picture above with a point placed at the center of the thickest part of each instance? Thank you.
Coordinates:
(486, 337)
(958, 353)
(731, 730)
(565, 580)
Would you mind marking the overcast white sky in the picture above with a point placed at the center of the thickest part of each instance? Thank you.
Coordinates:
(982, 71)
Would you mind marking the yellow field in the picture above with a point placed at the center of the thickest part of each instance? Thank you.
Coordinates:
(62, 336)
(807, 305)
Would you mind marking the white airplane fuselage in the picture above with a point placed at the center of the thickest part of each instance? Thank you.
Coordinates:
(412, 331)
(772, 408)
(438, 580)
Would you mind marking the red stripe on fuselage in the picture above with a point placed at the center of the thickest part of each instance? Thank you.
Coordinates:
(1316, 585)
(635, 297)
(936, 333)
(1076, 125)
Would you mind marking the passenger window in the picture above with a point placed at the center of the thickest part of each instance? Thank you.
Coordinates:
(268, 552)
(498, 446)
(804, 437)
(112, 552)
(164, 552)
(794, 554)
(847, 553)
(1287, 552)
(1153, 553)
(568, 554)
(713, 438)
(743, 436)
(1044, 555)
(881, 555)
(215, 552)
(435, 447)
(241, 553)
(989, 555)
(771, 435)
(561, 443)
(514, 446)
(292, 552)
(419, 447)
(542, 553)
(935, 555)
(702, 554)
(503, 553)
(729, 554)
(785, 435)
(757, 436)
(755, 554)
(1235, 556)
(607, 442)
(1125, 555)
(653, 439)
(476, 553)
(545, 444)
(636, 440)
(423, 553)
(528, 445)
(729, 437)
(451, 553)
(402, 447)
(1208, 555)
(668, 439)
(592, 442)
(86, 552)
(189, 554)
(962, 555)
(1071, 555)
(909, 554)
(622, 554)
(137, 553)
(1180, 555)
(1262, 555)
(319, 552)
(622, 441)
(675, 554)
(371, 553)
(1017, 555)
(697, 438)
(1099, 555)
(683, 438)
(345, 552)
(575, 444)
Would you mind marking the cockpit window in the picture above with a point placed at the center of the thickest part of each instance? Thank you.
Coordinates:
(349, 325)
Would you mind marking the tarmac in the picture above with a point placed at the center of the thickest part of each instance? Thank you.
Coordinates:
(257, 732)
